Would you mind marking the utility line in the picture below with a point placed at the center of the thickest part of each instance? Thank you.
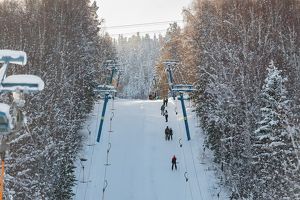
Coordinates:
(140, 32)
(141, 24)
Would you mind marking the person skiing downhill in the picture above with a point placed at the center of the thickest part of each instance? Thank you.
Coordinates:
(174, 162)
(166, 115)
(166, 102)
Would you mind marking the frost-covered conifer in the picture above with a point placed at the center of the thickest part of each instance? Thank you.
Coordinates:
(274, 158)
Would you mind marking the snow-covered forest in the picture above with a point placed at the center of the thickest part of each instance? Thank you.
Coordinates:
(137, 56)
(242, 57)
(61, 39)
(246, 55)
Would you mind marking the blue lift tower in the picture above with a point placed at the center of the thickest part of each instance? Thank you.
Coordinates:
(178, 88)
(181, 89)
(169, 65)
(106, 91)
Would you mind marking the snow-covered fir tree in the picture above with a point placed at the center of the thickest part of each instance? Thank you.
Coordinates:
(275, 163)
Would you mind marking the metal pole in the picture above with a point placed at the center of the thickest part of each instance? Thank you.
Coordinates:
(112, 74)
(171, 82)
(185, 117)
(102, 116)
(2, 179)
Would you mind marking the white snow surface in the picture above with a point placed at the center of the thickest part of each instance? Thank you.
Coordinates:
(140, 157)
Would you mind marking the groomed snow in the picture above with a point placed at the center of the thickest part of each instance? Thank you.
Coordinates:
(140, 158)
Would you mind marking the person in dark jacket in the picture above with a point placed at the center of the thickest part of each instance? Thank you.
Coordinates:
(162, 109)
(171, 134)
(166, 115)
(174, 159)
(167, 132)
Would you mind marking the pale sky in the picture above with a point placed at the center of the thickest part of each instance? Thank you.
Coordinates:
(128, 12)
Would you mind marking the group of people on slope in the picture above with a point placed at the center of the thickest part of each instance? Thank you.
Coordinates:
(168, 131)
(164, 111)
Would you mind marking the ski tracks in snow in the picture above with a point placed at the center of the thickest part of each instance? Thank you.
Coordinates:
(140, 157)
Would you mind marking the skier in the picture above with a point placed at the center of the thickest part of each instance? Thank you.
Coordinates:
(166, 115)
(162, 109)
(174, 162)
(171, 133)
(166, 102)
(167, 131)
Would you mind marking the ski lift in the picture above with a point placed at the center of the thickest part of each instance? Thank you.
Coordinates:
(13, 57)
(17, 85)
(184, 89)
(24, 83)
(101, 90)
(5, 119)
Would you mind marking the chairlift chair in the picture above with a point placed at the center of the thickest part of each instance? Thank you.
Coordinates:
(18, 85)
(13, 57)
(5, 119)
(24, 83)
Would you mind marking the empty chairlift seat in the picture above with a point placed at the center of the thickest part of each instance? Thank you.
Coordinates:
(25, 83)
(13, 57)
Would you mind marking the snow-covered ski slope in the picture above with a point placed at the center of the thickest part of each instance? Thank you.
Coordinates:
(140, 158)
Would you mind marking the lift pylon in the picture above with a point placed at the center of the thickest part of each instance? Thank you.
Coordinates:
(169, 65)
(180, 89)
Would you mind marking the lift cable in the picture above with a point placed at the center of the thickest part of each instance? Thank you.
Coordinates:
(105, 182)
(141, 24)
(93, 148)
(184, 157)
(183, 151)
(194, 165)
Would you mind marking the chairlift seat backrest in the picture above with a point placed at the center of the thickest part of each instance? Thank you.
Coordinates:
(13, 57)
(28, 83)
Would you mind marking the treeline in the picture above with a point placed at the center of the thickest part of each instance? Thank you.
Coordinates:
(246, 59)
(64, 48)
(137, 56)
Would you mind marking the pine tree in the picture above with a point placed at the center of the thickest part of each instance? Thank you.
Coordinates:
(274, 158)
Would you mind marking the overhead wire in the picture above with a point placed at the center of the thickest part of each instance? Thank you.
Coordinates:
(140, 32)
(194, 165)
(141, 24)
(93, 148)
(192, 155)
(105, 182)
(184, 157)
